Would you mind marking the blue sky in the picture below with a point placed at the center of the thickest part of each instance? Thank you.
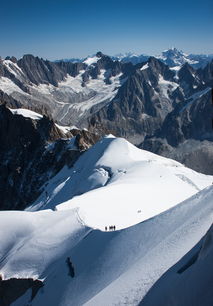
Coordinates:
(75, 28)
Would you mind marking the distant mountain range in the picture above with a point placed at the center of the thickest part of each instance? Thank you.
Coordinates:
(165, 108)
(172, 57)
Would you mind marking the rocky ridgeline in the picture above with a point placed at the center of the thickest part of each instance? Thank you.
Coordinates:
(156, 106)
(31, 152)
(146, 98)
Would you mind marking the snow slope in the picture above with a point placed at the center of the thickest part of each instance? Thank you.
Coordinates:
(115, 268)
(34, 241)
(115, 183)
(190, 281)
(119, 185)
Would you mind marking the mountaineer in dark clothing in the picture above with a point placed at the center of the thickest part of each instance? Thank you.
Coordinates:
(70, 266)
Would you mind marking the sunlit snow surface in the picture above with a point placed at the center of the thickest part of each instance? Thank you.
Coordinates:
(111, 268)
(117, 184)
(26, 113)
(91, 60)
(144, 67)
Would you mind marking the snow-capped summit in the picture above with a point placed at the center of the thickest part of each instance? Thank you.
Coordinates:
(91, 60)
(174, 57)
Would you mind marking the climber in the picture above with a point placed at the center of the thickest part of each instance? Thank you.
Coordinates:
(70, 266)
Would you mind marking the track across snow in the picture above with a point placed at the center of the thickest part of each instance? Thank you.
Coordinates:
(118, 268)
(115, 183)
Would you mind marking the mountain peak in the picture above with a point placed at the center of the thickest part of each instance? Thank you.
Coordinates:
(99, 54)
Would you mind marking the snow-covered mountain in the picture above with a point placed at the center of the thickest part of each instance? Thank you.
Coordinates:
(130, 167)
(70, 92)
(111, 96)
(106, 230)
(172, 57)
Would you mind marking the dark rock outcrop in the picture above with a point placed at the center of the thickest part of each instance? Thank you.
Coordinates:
(13, 288)
(31, 152)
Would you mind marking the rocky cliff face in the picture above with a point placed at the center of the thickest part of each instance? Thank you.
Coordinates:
(186, 134)
(31, 152)
(149, 94)
(68, 91)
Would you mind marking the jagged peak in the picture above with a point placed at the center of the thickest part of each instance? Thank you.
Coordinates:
(100, 54)
(11, 58)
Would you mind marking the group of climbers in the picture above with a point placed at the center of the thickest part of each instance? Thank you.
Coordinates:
(111, 228)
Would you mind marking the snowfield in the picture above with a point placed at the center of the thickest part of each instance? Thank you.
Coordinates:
(115, 183)
(189, 282)
(111, 268)
(160, 208)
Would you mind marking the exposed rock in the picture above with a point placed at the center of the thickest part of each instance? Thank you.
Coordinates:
(186, 134)
(13, 288)
(8, 100)
(139, 108)
(31, 152)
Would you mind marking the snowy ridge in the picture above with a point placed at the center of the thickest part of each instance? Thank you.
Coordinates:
(118, 268)
(29, 247)
(129, 177)
(26, 113)
(111, 267)
(13, 68)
